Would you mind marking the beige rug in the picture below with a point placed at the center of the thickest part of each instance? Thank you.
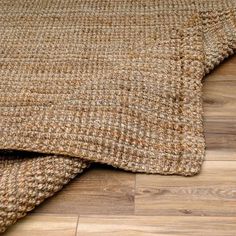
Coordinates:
(111, 81)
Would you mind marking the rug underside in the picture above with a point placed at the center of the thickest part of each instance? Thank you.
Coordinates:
(109, 81)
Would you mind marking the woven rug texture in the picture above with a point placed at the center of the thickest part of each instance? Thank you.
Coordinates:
(117, 82)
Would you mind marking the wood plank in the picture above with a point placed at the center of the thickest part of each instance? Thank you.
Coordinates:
(219, 99)
(219, 146)
(211, 193)
(100, 190)
(225, 154)
(156, 225)
(44, 225)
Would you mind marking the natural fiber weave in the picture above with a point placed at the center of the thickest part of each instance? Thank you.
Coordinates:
(110, 81)
(27, 179)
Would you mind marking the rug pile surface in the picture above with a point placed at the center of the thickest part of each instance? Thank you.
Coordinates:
(110, 81)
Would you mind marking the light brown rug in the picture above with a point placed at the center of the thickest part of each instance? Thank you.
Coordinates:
(111, 81)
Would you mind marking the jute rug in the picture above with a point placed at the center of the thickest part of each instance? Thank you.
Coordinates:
(110, 81)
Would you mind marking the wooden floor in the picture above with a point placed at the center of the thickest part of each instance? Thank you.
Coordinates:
(107, 201)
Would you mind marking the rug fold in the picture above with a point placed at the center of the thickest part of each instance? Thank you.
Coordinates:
(117, 82)
(27, 179)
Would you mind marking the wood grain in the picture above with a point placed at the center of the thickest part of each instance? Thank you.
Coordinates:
(43, 225)
(219, 97)
(100, 189)
(157, 225)
(211, 193)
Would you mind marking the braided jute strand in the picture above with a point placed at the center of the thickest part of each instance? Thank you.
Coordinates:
(110, 81)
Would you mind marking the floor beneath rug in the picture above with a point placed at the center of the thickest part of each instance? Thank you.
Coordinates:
(105, 201)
